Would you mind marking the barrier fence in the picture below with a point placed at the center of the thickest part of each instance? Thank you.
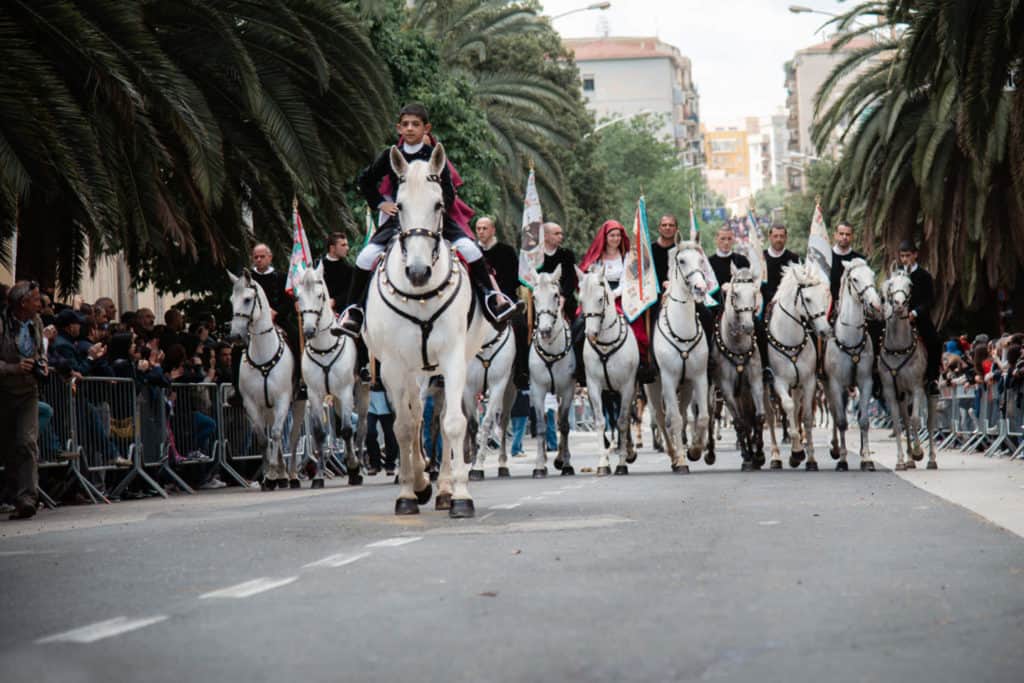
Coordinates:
(116, 435)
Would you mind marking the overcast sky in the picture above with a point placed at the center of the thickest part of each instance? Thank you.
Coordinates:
(737, 47)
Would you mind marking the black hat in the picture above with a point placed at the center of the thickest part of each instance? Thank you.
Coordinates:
(69, 317)
(907, 245)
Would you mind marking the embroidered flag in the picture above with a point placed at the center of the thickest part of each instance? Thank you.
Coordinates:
(755, 247)
(819, 249)
(371, 227)
(640, 283)
(709, 273)
(301, 258)
(531, 239)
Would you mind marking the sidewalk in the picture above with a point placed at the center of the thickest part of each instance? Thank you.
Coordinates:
(992, 488)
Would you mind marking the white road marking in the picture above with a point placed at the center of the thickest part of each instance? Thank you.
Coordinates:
(534, 526)
(394, 542)
(489, 514)
(505, 506)
(249, 588)
(13, 553)
(770, 522)
(335, 561)
(101, 630)
(556, 492)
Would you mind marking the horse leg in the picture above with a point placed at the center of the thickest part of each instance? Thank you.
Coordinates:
(537, 393)
(864, 422)
(475, 447)
(361, 398)
(506, 412)
(564, 456)
(770, 415)
(789, 413)
(624, 442)
(739, 422)
(318, 428)
(895, 411)
(703, 423)
(280, 415)
(343, 406)
(673, 418)
(837, 405)
(298, 413)
(919, 402)
(641, 406)
(657, 406)
(905, 416)
(454, 428)
(931, 407)
(594, 385)
(807, 403)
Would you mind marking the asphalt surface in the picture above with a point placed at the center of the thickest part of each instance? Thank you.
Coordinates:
(719, 575)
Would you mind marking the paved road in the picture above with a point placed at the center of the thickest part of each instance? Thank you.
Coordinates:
(720, 575)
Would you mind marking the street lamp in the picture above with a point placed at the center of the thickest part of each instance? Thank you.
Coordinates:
(592, 6)
(619, 119)
(804, 9)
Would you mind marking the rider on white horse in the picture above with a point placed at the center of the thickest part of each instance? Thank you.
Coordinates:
(414, 128)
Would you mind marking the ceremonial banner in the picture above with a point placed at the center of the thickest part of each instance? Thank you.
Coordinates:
(371, 227)
(531, 241)
(640, 283)
(709, 274)
(301, 258)
(819, 249)
(755, 248)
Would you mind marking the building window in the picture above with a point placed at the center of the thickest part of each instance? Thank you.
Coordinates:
(588, 83)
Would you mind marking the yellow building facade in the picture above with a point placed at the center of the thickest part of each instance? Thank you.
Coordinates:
(725, 149)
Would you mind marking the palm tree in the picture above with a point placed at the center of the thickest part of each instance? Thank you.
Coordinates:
(936, 149)
(143, 126)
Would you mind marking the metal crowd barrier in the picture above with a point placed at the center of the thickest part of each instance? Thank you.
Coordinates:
(57, 442)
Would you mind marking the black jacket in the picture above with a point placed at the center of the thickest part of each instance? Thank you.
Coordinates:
(505, 262)
(922, 295)
(569, 282)
(723, 270)
(370, 178)
(338, 278)
(835, 276)
(274, 284)
(773, 274)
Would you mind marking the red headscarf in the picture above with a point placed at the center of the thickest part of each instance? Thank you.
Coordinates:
(596, 251)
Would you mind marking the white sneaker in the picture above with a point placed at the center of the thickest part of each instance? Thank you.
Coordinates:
(214, 483)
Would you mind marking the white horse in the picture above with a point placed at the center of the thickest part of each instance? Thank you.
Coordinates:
(681, 350)
(265, 378)
(490, 373)
(552, 368)
(800, 305)
(422, 319)
(611, 358)
(850, 358)
(328, 368)
(902, 362)
(737, 366)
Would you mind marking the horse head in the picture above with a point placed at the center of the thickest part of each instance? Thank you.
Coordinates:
(743, 298)
(804, 288)
(248, 305)
(859, 280)
(595, 298)
(688, 269)
(547, 303)
(897, 292)
(420, 200)
(312, 295)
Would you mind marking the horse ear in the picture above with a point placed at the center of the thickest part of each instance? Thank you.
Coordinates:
(727, 288)
(232, 277)
(556, 274)
(733, 269)
(246, 275)
(320, 269)
(579, 273)
(438, 160)
(398, 163)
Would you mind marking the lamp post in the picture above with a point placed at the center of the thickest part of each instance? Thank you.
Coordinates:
(618, 119)
(592, 6)
(803, 9)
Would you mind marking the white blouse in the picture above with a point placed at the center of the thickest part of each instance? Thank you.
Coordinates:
(614, 268)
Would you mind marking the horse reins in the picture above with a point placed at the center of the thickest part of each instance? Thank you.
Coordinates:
(792, 352)
(612, 347)
(502, 337)
(550, 359)
(682, 346)
(739, 359)
(339, 343)
(854, 351)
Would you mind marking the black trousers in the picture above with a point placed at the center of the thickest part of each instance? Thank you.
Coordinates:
(387, 425)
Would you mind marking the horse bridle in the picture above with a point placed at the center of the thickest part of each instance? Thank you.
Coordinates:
(888, 297)
(686, 275)
(319, 312)
(601, 315)
(806, 318)
(312, 351)
(267, 367)
(256, 303)
(732, 297)
(853, 290)
(434, 233)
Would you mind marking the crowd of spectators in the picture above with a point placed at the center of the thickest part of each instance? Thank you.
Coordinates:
(990, 367)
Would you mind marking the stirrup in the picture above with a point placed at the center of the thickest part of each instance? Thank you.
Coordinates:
(350, 322)
(490, 299)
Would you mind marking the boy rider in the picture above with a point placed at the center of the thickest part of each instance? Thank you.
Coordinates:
(415, 144)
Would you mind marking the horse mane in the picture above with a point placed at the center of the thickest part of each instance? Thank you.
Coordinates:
(744, 275)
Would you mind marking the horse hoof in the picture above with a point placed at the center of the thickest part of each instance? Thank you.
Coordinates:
(681, 469)
(918, 456)
(540, 473)
(422, 497)
(433, 475)
(355, 479)
(900, 467)
(443, 501)
(631, 457)
(812, 465)
(834, 453)
(709, 458)
(796, 458)
(758, 461)
(462, 508)
(317, 484)
(841, 466)
(568, 471)
(867, 466)
(604, 471)
(932, 465)
(621, 469)
(776, 465)
(476, 475)
(693, 454)
(406, 506)
(268, 485)
(558, 463)
(282, 483)
(911, 465)
(395, 482)
(746, 466)
(503, 473)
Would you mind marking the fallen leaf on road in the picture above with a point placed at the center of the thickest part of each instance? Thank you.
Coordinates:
(586, 469)
(518, 552)
(488, 594)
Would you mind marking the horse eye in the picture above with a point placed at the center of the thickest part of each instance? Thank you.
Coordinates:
(399, 205)
(438, 206)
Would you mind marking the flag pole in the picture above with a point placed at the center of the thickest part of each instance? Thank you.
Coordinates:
(298, 310)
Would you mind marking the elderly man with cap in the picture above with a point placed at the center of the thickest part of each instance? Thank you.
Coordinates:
(922, 297)
(67, 357)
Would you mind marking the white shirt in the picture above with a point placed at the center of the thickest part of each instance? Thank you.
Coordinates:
(776, 254)
(841, 252)
(331, 258)
(723, 254)
(550, 253)
(613, 270)
(485, 247)
(270, 269)
(912, 268)
(412, 149)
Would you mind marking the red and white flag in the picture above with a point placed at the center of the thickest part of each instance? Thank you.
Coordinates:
(301, 258)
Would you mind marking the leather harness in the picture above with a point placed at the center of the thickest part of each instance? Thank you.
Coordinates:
(614, 346)
(792, 352)
(263, 368)
(500, 341)
(339, 343)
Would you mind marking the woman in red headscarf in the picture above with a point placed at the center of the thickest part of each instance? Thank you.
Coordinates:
(609, 249)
